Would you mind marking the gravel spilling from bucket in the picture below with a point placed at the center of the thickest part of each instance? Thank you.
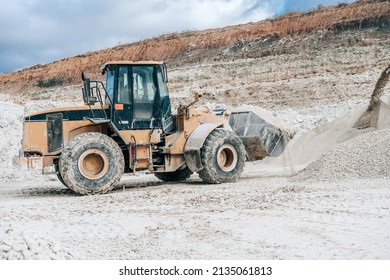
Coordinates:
(365, 156)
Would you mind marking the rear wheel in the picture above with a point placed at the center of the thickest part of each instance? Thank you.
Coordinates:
(57, 169)
(223, 157)
(176, 176)
(91, 163)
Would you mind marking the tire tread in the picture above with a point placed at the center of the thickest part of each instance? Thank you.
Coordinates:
(211, 173)
(66, 161)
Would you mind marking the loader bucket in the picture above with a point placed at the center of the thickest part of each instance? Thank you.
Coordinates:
(260, 138)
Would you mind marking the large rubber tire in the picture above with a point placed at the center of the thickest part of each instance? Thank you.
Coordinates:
(176, 176)
(91, 163)
(223, 157)
(57, 169)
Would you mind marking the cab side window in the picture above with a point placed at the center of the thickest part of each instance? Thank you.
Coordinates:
(144, 93)
(123, 85)
(143, 85)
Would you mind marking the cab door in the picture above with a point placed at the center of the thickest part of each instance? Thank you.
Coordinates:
(123, 103)
(145, 103)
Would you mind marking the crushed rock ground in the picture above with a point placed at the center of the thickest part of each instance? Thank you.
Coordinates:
(336, 208)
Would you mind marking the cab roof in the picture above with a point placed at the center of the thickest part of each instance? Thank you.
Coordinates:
(129, 62)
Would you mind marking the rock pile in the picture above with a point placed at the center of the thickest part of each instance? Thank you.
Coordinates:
(11, 116)
(365, 156)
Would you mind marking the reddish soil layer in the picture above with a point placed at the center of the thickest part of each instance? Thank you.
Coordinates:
(267, 37)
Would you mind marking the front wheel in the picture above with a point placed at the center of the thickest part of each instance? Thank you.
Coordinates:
(223, 157)
(91, 163)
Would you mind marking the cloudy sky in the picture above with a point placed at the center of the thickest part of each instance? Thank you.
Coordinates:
(41, 31)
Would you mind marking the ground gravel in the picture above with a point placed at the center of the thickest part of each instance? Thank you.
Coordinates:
(365, 156)
(16, 245)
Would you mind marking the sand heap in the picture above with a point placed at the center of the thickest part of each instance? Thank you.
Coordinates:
(15, 245)
(365, 156)
(11, 127)
(357, 146)
(310, 146)
(11, 116)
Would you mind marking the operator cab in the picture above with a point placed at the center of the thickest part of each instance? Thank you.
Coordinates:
(137, 94)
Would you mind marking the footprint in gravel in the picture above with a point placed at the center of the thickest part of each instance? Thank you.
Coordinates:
(17, 245)
(48, 192)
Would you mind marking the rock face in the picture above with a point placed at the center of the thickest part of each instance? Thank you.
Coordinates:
(285, 34)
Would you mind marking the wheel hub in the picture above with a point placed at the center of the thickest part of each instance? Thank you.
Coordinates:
(227, 157)
(93, 164)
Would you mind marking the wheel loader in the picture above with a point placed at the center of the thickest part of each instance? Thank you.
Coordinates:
(126, 125)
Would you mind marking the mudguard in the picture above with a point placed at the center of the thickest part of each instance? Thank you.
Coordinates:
(195, 143)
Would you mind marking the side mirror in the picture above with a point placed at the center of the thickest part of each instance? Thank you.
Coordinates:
(87, 87)
(84, 76)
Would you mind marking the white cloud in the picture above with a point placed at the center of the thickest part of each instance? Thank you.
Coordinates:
(40, 31)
